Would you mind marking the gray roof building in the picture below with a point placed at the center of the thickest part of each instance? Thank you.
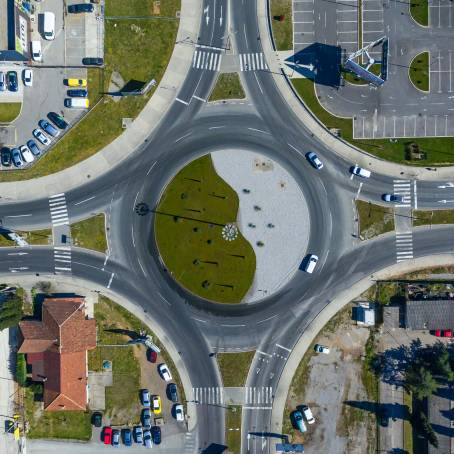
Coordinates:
(429, 314)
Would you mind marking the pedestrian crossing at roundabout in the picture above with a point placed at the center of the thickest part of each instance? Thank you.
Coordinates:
(209, 395)
(210, 61)
(404, 246)
(58, 210)
(62, 259)
(252, 62)
(251, 395)
(403, 188)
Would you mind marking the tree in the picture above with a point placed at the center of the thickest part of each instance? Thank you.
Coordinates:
(420, 381)
(441, 365)
(21, 369)
(423, 426)
(10, 312)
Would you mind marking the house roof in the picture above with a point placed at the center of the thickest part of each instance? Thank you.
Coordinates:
(429, 314)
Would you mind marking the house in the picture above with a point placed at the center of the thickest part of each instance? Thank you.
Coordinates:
(56, 349)
(429, 314)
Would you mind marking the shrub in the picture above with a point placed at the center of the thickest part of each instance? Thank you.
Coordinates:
(21, 369)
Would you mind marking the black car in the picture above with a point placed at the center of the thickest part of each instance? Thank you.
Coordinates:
(383, 417)
(172, 392)
(81, 8)
(96, 419)
(58, 120)
(92, 61)
(77, 93)
(156, 434)
(6, 157)
(12, 81)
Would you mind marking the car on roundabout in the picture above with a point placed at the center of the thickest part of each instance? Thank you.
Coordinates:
(311, 263)
(393, 198)
(314, 160)
(360, 172)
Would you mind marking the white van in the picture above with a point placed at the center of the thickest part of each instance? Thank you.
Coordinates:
(310, 263)
(36, 51)
(49, 25)
(77, 103)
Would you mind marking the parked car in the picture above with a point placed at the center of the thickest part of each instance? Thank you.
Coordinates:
(156, 405)
(41, 136)
(364, 173)
(314, 160)
(152, 356)
(96, 419)
(127, 437)
(307, 413)
(146, 418)
(311, 262)
(36, 51)
(2, 81)
(321, 349)
(58, 120)
(49, 25)
(179, 412)
(12, 81)
(138, 434)
(147, 439)
(116, 438)
(92, 61)
(77, 103)
(298, 419)
(164, 372)
(27, 77)
(51, 130)
(172, 392)
(383, 417)
(145, 397)
(16, 157)
(394, 198)
(27, 155)
(107, 435)
(77, 93)
(156, 434)
(31, 144)
(437, 332)
(447, 333)
(81, 8)
(6, 157)
(76, 82)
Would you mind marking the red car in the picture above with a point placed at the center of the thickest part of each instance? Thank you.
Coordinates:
(107, 435)
(437, 332)
(152, 355)
(447, 333)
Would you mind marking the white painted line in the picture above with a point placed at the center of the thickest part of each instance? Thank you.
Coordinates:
(110, 280)
(62, 248)
(359, 190)
(86, 200)
(61, 268)
(415, 194)
(199, 99)
(263, 353)
(257, 408)
(64, 261)
(182, 102)
(58, 224)
(18, 216)
(57, 195)
(283, 348)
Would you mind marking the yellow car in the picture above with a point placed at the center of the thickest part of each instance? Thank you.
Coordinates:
(77, 82)
(156, 402)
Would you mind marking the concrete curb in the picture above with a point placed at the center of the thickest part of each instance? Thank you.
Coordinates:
(328, 312)
(125, 144)
(86, 287)
(343, 149)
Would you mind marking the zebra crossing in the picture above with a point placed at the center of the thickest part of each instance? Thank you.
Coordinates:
(62, 259)
(258, 395)
(404, 246)
(403, 188)
(58, 210)
(207, 60)
(209, 395)
(252, 62)
(215, 395)
(190, 445)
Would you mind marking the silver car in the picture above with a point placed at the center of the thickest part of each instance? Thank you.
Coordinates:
(2, 81)
(41, 136)
(147, 439)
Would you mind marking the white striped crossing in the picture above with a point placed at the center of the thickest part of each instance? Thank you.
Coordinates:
(262, 395)
(403, 188)
(190, 443)
(258, 395)
(62, 259)
(209, 395)
(404, 246)
(252, 62)
(58, 210)
(207, 60)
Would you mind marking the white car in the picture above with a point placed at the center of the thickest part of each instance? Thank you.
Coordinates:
(2, 81)
(36, 51)
(308, 414)
(321, 349)
(41, 136)
(311, 263)
(164, 372)
(179, 412)
(27, 155)
(357, 170)
(27, 77)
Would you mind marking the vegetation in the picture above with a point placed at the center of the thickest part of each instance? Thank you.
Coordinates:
(234, 367)
(368, 368)
(433, 217)
(11, 311)
(21, 369)
(419, 10)
(9, 111)
(419, 71)
(35, 237)
(228, 86)
(233, 429)
(439, 150)
(90, 233)
(282, 29)
(194, 208)
(137, 49)
(374, 219)
(408, 430)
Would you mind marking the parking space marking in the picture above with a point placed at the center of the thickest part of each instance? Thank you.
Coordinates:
(303, 21)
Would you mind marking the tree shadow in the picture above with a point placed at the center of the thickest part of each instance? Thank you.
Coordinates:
(126, 332)
(384, 411)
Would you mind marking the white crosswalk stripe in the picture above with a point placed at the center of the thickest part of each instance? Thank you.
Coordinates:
(252, 62)
(58, 210)
(215, 395)
(403, 188)
(190, 442)
(62, 259)
(404, 246)
(258, 395)
(207, 60)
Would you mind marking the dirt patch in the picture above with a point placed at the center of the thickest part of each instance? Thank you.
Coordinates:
(156, 8)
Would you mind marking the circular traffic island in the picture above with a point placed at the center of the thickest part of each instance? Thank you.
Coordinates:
(232, 227)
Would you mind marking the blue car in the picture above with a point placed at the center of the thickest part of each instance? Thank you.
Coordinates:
(116, 438)
(127, 437)
(12, 81)
(33, 147)
(156, 434)
(77, 93)
(51, 130)
(172, 392)
(146, 418)
(81, 8)
(16, 157)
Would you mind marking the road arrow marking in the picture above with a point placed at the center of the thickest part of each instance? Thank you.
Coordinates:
(205, 11)
(220, 19)
(446, 185)
(445, 201)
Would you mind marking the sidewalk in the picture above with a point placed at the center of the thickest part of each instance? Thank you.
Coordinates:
(340, 147)
(140, 129)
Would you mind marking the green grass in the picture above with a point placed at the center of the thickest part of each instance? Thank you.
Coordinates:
(374, 219)
(369, 378)
(408, 430)
(9, 111)
(440, 150)
(234, 367)
(194, 207)
(419, 71)
(233, 421)
(421, 217)
(419, 9)
(140, 8)
(282, 30)
(32, 237)
(74, 425)
(228, 86)
(90, 233)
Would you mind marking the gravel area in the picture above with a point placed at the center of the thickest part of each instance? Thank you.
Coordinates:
(273, 216)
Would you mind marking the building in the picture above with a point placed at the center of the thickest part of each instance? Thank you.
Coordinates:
(56, 350)
(429, 314)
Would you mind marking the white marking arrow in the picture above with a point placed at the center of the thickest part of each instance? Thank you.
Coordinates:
(16, 270)
(445, 201)
(205, 11)
(447, 185)
(220, 19)
(18, 253)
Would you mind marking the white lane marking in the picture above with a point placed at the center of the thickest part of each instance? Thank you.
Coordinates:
(151, 168)
(182, 102)
(56, 195)
(18, 253)
(259, 130)
(110, 280)
(283, 348)
(18, 216)
(359, 189)
(86, 200)
(415, 195)
(61, 268)
(183, 137)
(199, 98)
(168, 302)
(263, 353)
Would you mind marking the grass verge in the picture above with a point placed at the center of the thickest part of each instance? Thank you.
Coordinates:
(190, 216)
(228, 86)
(90, 233)
(419, 10)
(439, 150)
(373, 219)
(233, 429)
(234, 367)
(9, 111)
(421, 217)
(419, 71)
(282, 29)
(408, 430)
(31, 237)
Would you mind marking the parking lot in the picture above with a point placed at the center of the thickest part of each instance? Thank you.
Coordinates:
(441, 66)
(303, 24)
(441, 13)
(372, 24)
(347, 25)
